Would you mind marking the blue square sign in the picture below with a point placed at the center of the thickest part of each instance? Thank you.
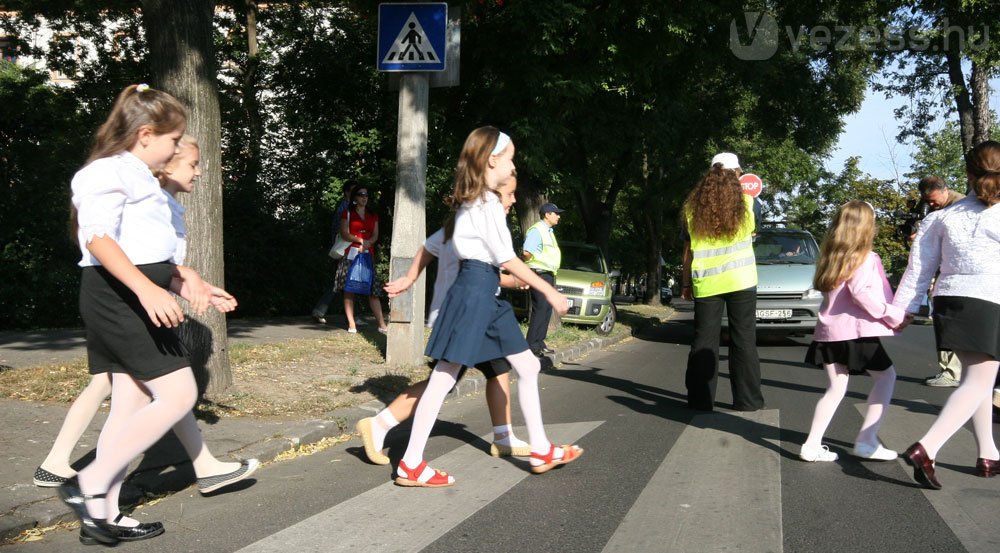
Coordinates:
(411, 37)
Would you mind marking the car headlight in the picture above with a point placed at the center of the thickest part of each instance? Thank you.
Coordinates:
(596, 289)
(812, 294)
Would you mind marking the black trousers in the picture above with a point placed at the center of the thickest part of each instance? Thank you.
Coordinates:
(703, 360)
(541, 313)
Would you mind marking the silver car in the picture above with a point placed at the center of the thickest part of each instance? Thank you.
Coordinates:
(786, 263)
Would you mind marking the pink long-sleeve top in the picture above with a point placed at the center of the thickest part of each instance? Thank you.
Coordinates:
(860, 307)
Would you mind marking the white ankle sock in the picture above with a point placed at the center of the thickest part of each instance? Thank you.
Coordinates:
(504, 435)
(384, 422)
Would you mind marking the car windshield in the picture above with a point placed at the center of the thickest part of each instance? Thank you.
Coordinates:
(575, 258)
(793, 248)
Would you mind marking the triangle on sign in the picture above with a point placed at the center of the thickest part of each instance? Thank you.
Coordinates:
(411, 45)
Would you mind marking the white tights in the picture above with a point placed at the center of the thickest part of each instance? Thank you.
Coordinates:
(134, 424)
(972, 399)
(878, 400)
(443, 379)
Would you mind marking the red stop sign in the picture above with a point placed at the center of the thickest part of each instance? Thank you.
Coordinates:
(752, 185)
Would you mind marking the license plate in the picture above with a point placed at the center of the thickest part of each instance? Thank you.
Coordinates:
(774, 313)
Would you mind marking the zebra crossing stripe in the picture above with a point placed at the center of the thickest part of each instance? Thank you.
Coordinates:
(418, 516)
(719, 489)
(967, 503)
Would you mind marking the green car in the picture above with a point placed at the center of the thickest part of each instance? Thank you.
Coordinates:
(584, 278)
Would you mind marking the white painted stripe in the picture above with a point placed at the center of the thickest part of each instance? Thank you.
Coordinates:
(966, 503)
(719, 489)
(419, 515)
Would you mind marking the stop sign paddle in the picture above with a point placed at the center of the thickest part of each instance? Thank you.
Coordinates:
(752, 185)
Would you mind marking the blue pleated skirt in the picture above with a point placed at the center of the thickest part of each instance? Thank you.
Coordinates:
(474, 325)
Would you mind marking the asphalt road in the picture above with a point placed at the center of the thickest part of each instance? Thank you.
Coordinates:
(655, 477)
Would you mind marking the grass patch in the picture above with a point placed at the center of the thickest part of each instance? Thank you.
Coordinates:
(300, 377)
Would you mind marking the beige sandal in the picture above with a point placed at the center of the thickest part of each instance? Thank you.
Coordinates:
(364, 427)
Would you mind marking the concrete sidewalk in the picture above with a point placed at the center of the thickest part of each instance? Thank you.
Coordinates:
(30, 428)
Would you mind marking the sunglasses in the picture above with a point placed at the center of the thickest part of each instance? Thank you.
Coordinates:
(365, 194)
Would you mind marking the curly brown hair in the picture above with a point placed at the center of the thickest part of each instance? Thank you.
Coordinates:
(716, 206)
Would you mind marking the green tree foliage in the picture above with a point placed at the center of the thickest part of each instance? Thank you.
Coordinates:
(813, 207)
(43, 144)
(940, 153)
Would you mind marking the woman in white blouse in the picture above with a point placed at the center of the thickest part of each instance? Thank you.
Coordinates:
(962, 240)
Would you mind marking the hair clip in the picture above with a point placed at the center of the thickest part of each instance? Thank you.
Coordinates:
(142, 87)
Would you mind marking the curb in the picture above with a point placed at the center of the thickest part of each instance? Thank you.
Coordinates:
(176, 478)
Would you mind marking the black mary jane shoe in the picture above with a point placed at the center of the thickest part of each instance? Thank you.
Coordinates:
(96, 528)
(144, 530)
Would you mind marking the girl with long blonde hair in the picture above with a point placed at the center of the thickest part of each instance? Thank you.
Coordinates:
(857, 309)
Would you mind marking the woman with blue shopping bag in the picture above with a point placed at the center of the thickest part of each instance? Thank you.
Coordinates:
(356, 271)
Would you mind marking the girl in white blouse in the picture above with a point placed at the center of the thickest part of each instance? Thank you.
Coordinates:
(473, 324)
(123, 226)
(178, 175)
(962, 241)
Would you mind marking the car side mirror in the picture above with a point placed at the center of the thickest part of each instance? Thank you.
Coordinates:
(615, 273)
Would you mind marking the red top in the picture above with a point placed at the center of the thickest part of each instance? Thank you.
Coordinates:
(363, 227)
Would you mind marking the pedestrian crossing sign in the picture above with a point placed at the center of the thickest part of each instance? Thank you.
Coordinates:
(411, 37)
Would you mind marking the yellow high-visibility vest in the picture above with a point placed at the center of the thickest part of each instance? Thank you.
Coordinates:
(550, 257)
(719, 266)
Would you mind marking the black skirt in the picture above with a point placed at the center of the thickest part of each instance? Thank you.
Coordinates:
(120, 336)
(967, 324)
(859, 355)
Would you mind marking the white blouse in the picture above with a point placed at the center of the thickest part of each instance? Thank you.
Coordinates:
(180, 230)
(481, 231)
(447, 272)
(119, 197)
(964, 241)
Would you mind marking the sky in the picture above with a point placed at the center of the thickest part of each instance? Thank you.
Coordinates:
(871, 134)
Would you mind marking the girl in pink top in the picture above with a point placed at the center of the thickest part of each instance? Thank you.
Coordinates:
(857, 309)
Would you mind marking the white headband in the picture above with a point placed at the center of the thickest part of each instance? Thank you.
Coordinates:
(502, 141)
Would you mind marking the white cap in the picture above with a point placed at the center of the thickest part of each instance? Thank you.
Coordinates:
(728, 160)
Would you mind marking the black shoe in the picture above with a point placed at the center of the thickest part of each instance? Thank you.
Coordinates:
(144, 530)
(538, 353)
(547, 351)
(96, 528)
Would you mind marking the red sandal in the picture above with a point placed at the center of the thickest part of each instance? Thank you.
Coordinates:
(570, 453)
(439, 480)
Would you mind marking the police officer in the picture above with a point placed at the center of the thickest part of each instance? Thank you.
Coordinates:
(542, 255)
(719, 271)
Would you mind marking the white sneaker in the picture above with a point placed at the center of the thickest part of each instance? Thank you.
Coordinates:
(812, 454)
(874, 452)
(352, 331)
(942, 380)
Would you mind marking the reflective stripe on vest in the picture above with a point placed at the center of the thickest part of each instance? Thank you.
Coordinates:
(550, 257)
(719, 266)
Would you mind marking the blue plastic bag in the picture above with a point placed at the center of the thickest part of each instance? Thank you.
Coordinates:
(360, 275)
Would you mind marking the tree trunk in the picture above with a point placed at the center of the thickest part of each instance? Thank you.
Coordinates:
(180, 34)
(963, 101)
(250, 104)
(981, 102)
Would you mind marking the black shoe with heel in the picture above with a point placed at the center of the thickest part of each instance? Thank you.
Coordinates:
(96, 528)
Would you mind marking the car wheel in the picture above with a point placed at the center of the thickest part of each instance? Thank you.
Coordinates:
(607, 324)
